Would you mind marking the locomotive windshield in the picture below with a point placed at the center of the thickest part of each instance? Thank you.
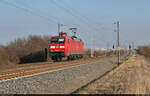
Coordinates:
(58, 40)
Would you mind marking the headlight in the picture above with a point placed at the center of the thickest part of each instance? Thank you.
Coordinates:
(52, 47)
(62, 46)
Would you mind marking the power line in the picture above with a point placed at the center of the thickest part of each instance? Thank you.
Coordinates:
(73, 10)
(64, 8)
(78, 13)
(84, 17)
(68, 11)
(36, 10)
(27, 10)
(74, 15)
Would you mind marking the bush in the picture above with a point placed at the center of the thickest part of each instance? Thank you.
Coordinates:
(16, 50)
(38, 56)
(4, 59)
(144, 50)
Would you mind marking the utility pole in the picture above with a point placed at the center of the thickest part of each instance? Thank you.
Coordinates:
(91, 46)
(133, 45)
(130, 48)
(118, 41)
(118, 36)
(113, 47)
(59, 28)
(107, 45)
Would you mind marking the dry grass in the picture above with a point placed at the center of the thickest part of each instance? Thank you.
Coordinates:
(132, 77)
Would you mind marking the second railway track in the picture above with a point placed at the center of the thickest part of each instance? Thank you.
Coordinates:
(38, 69)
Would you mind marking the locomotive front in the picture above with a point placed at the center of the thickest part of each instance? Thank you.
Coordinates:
(65, 46)
(57, 47)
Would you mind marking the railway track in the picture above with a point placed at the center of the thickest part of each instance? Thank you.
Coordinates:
(82, 87)
(52, 66)
(101, 76)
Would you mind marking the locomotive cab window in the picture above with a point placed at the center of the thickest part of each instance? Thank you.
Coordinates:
(57, 40)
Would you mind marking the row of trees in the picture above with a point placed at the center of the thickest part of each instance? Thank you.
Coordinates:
(18, 50)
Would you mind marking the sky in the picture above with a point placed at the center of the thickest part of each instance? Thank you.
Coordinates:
(93, 18)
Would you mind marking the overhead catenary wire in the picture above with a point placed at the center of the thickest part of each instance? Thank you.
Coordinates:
(74, 15)
(50, 20)
(82, 16)
(36, 10)
(31, 11)
(64, 9)
(77, 12)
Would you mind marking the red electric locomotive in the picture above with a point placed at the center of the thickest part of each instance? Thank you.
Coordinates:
(65, 46)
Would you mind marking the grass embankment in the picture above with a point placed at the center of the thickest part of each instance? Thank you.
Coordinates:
(132, 77)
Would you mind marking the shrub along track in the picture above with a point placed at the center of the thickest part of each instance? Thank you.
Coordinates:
(46, 67)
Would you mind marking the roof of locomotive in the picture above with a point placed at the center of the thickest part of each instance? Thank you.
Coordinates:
(69, 37)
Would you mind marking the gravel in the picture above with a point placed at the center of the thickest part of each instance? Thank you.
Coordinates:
(61, 81)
